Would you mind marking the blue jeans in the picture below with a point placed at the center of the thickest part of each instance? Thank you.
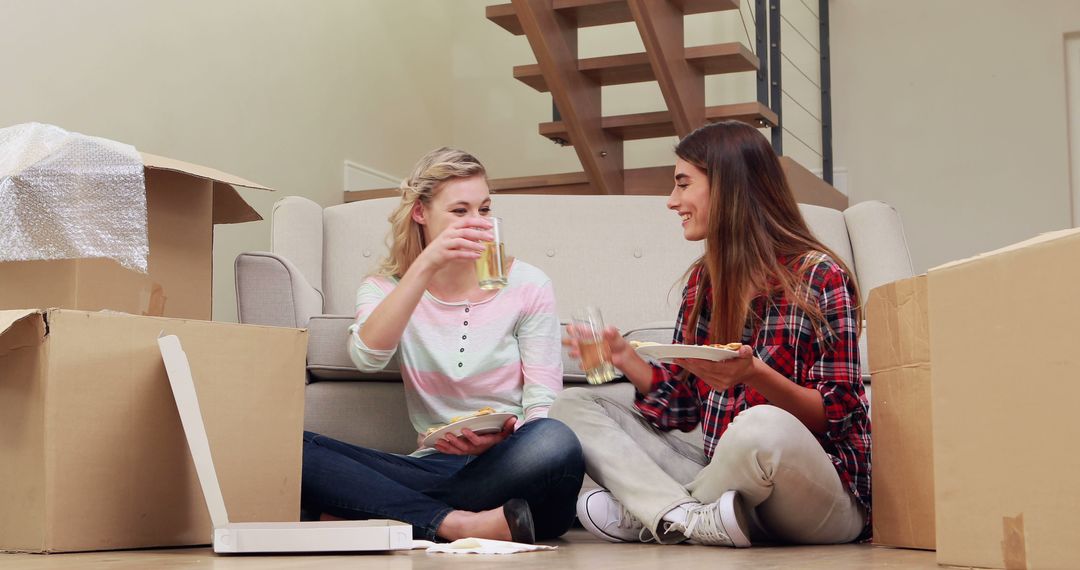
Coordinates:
(541, 462)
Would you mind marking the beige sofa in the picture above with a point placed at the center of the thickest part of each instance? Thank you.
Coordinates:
(624, 254)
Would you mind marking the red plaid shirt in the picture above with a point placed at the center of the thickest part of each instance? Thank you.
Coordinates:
(784, 339)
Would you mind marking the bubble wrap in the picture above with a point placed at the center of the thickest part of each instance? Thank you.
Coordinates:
(66, 196)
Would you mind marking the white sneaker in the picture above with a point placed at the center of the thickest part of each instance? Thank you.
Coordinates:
(716, 524)
(605, 517)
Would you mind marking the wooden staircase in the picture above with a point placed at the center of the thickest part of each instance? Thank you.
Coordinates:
(551, 27)
(575, 83)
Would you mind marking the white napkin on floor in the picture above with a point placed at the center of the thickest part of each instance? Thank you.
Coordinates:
(479, 546)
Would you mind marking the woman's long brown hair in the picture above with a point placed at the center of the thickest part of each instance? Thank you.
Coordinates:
(754, 224)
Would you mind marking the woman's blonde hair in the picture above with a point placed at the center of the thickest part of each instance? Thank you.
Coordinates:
(406, 237)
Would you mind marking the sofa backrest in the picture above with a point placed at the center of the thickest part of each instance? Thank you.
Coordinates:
(625, 254)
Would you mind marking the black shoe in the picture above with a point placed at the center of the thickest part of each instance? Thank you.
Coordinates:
(519, 519)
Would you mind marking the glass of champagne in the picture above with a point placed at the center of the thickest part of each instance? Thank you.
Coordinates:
(491, 267)
(587, 326)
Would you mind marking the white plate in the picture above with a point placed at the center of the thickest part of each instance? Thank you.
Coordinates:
(669, 352)
(489, 423)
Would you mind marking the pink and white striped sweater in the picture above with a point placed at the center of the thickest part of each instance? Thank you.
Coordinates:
(457, 357)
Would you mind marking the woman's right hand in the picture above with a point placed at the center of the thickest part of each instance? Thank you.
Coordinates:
(621, 352)
(460, 240)
(623, 357)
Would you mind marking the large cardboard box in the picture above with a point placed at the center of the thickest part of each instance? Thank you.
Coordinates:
(1006, 350)
(183, 203)
(903, 473)
(92, 453)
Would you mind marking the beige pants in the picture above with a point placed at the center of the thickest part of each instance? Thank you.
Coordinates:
(768, 455)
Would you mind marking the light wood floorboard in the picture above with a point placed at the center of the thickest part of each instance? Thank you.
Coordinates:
(578, 550)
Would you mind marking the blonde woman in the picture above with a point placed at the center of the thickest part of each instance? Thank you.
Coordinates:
(461, 348)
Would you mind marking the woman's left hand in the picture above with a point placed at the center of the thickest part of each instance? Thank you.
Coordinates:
(470, 443)
(723, 374)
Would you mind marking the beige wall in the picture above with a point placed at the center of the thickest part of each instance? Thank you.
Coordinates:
(955, 112)
(281, 92)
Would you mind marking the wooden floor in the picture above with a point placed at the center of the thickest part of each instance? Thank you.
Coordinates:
(577, 550)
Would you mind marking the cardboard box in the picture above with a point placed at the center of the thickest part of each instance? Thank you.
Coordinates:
(1006, 350)
(92, 453)
(903, 473)
(183, 203)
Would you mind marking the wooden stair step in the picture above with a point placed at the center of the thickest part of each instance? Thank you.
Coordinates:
(657, 181)
(634, 67)
(587, 13)
(649, 181)
(658, 124)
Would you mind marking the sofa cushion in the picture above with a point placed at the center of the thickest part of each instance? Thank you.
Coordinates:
(297, 235)
(369, 414)
(829, 226)
(328, 353)
(354, 237)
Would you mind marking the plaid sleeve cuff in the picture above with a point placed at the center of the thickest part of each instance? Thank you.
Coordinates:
(670, 403)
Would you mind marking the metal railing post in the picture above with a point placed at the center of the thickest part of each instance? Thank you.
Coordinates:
(826, 94)
(776, 92)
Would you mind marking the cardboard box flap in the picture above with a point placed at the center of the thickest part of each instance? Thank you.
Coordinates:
(229, 207)
(9, 318)
(901, 335)
(1037, 240)
(19, 329)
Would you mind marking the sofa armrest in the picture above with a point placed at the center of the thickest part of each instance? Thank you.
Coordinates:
(271, 291)
(328, 352)
(878, 244)
(881, 254)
